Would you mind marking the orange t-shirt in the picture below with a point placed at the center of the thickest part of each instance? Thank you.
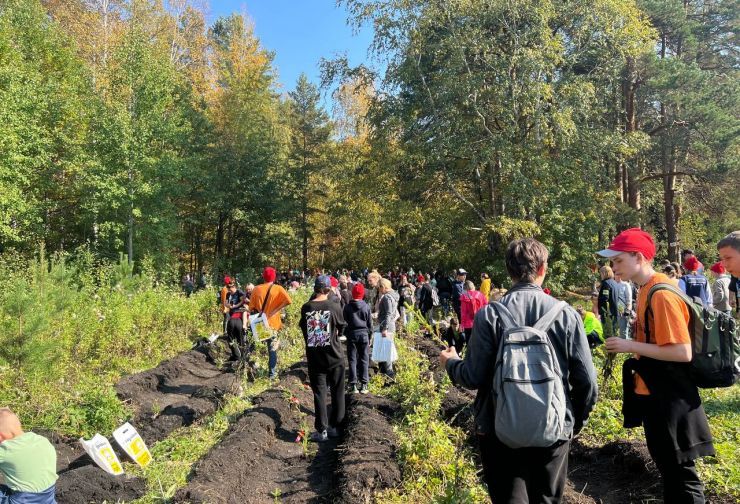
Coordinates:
(669, 322)
(279, 298)
(224, 294)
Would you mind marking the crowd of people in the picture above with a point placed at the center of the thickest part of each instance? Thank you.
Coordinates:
(528, 355)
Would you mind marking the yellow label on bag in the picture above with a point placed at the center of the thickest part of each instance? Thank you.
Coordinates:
(132, 443)
(102, 454)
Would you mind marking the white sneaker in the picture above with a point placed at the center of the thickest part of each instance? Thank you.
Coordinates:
(343, 338)
(319, 437)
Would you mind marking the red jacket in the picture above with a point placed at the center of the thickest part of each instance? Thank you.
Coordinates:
(470, 303)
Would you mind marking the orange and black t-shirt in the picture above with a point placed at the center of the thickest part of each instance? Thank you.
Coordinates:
(279, 298)
(669, 322)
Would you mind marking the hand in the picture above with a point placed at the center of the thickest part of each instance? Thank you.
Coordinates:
(618, 345)
(445, 355)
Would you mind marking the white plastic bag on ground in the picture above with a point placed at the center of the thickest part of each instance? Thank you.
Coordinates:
(384, 349)
(132, 443)
(102, 454)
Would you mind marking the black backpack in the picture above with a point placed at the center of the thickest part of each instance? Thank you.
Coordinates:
(715, 341)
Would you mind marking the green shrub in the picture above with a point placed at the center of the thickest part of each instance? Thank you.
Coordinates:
(70, 330)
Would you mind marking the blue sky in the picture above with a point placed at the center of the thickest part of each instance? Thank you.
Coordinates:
(300, 33)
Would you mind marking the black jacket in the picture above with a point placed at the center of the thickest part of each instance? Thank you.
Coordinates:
(322, 323)
(359, 321)
(678, 399)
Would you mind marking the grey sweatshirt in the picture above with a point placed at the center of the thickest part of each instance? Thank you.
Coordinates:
(528, 303)
(388, 311)
(721, 293)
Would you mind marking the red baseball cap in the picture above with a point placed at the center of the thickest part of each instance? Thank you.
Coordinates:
(334, 281)
(269, 274)
(691, 263)
(718, 268)
(630, 240)
(227, 280)
(358, 291)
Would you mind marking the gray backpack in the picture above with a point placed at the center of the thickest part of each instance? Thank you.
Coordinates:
(528, 390)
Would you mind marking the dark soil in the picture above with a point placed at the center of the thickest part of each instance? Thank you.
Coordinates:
(619, 472)
(90, 484)
(259, 458)
(82, 482)
(367, 457)
(175, 394)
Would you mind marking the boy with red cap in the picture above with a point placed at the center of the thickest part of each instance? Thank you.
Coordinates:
(358, 330)
(659, 393)
(693, 283)
(721, 288)
(270, 298)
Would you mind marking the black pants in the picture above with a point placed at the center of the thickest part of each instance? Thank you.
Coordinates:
(681, 483)
(334, 379)
(235, 335)
(524, 475)
(358, 356)
(459, 342)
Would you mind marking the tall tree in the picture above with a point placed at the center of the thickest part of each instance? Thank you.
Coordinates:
(309, 133)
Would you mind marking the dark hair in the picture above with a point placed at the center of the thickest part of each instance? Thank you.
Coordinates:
(524, 258)
(731, 240)
(687, 252)
(322, 290)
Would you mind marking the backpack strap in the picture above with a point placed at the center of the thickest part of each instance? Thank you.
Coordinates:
(696, 322)
(649, 309)
(267, 296)
(507, 319)
(544, 323)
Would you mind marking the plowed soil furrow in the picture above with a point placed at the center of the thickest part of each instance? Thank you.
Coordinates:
(260, 459)
(174, 394)
(367, 457)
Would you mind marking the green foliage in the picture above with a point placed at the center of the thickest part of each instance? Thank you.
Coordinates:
(65, 340)
(436, 465)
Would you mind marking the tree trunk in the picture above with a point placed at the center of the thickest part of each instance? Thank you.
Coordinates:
(629, 88)
(304, 232)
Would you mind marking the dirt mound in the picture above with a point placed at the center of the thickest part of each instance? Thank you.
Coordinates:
(82, 482)
(619, 472)
(90, 484)
(367, 457)
(175, 394)
(259, 459)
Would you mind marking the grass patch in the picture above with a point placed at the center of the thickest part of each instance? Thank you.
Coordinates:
(436, 463)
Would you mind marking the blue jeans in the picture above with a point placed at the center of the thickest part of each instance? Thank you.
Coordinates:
(7, 496)
(272, 357)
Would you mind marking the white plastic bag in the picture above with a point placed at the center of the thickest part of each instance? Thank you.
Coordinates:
(132, 443)
(102, 453)
(261, 329)
(384, 349)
